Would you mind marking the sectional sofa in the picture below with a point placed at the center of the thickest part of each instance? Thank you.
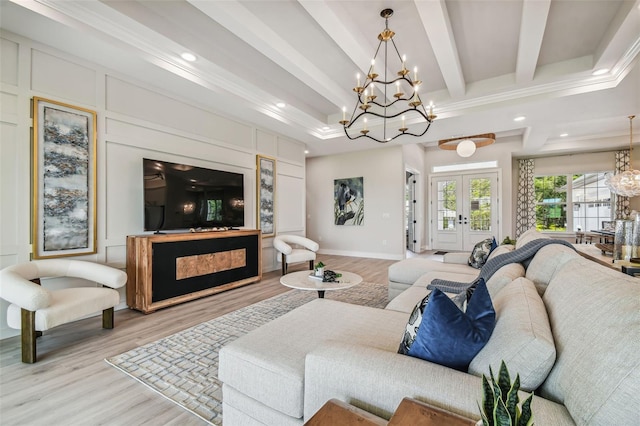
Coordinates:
(568, 326)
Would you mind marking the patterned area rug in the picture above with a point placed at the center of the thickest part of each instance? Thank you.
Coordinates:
(183, 367)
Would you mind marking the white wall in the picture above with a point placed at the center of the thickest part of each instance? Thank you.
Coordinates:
(134, 121)
(381, 236)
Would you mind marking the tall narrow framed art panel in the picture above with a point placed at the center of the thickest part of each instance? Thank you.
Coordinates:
(266, 184)
(64, 180)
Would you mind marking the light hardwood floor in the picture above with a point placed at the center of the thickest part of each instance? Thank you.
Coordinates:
(72, 385)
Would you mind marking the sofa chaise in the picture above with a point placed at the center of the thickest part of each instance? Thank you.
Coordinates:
(568, 326)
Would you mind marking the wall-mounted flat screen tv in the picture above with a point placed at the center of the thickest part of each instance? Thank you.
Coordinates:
(180, 196)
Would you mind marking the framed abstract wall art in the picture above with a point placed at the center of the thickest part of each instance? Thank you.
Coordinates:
(266, 184)
(349, 201)
(64, 180)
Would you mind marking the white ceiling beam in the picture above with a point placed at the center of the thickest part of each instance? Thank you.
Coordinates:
(345, 38)
(435, 19)
(350, 42)
(251, 29)
(623, 32)
(534, 21)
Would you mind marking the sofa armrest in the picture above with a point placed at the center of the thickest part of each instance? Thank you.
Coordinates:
(459, 258)
(377, 380)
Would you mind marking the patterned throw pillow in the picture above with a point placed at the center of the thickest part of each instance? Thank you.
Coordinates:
(412, 325)
(481, 252)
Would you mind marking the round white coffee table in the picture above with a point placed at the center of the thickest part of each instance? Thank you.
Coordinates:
(302, 280)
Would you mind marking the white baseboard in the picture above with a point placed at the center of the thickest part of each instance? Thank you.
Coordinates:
(371, 255)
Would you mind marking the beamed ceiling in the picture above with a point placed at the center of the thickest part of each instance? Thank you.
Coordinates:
(482, 62)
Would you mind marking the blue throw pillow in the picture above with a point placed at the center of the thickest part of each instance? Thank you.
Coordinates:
(450, 337)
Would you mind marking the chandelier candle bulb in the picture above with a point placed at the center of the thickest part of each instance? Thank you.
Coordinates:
(372, 74)
(403, 128)
(398, 93)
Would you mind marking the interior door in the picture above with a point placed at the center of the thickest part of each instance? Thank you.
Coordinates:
(464, 210)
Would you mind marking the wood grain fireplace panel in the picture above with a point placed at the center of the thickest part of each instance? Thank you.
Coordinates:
(210, 263)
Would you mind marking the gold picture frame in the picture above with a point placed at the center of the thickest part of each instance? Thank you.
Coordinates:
(64, 180)
(265, 194)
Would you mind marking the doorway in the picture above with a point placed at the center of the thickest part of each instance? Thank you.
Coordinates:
(464, 210)
(411, 212)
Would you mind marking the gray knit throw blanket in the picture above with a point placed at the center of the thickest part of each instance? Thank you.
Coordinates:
(521, 255)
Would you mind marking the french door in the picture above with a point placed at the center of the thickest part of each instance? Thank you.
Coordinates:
(464, 210)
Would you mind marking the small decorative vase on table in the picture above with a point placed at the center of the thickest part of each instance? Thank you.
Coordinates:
(319, 269)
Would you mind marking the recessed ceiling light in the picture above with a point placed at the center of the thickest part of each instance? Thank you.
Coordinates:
(188, 56)
(600, 71)
(306, 151)
(326, 128)
(281, 105)
(519, 118)
(564, 135)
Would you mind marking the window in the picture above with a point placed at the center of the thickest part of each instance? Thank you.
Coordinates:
(447, 205)
(584, 196)
(480, 204)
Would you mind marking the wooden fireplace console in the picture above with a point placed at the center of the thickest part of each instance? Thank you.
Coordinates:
(167, 269)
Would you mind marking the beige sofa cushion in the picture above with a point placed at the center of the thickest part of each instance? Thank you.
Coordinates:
(506, 248)
(409, 270)
(546, 262)
(522, 336)
(504, 276)
(528, 236)
(594, 313)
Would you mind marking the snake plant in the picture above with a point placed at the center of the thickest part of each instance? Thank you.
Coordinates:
(500, 401)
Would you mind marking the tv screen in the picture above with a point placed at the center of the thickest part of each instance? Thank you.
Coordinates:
(180, 196)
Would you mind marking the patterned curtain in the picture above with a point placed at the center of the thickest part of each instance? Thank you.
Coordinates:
(622, 209)
(526, 209)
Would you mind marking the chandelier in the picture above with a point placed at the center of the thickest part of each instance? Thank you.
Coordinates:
(384, 103)
(465, 146)
(626, 183)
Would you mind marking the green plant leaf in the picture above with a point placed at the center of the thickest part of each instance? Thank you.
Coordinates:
(504, 381)
(526, 418)
(486, 420)
(512, 399)
(500, 415)
(488, 401)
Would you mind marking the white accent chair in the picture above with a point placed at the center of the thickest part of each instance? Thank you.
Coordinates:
(35, 309)
(303, 250)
